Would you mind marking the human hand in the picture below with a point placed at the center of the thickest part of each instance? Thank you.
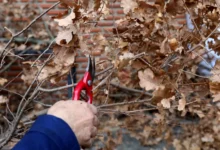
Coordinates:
(80, 116)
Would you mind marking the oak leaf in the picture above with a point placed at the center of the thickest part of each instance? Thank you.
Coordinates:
(216, 97)
(166, 102)
(147, 79)
(182, 103)
(67, 37)
(3, 99)
(3, 81)
(128, 5)
(68, 20)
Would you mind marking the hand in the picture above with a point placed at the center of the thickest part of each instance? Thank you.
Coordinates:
(80, 116)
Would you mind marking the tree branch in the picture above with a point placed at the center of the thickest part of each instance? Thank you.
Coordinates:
(131, 90)
(56, 89)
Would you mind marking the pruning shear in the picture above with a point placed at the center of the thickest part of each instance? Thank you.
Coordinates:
(86, 82)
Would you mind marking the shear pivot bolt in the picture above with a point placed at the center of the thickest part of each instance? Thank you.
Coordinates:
(89, 82)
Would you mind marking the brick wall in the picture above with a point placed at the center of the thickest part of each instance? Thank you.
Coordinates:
(116, 12)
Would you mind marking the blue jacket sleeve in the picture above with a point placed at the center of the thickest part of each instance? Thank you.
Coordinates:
(48, 133)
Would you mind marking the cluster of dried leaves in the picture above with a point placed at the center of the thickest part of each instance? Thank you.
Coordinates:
(153, 51)
(150, 51)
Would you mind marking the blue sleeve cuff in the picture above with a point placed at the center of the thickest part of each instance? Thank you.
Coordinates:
(57, 130)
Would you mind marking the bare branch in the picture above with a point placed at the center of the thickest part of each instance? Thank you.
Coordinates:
(56, 89)
(131, 90)
(125, 103)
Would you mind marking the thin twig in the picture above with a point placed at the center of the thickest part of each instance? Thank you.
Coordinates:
(43, 53)
(103, 71)
(125, 103)
(56, 89)
(131, 90)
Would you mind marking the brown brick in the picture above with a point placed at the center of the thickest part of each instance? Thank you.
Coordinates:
(89, 42)
(52, 1)
(45, 6)
(109, 23)
(87, 36)
(16, 80)
(96, 53)
(113, 17)
(84, 65)
(15, 68)
(79, 77)
(120, 11)
(95, 30)
(114, 5)
(80, 71)
(20, 19)
(55, 12)
(107, 35)
(182, 21)
(81, 59)
(13, 73)
(108, 29)
(103, 58)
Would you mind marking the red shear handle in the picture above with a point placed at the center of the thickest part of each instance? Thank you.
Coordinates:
(83, 84)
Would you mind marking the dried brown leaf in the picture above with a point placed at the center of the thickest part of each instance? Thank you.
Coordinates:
(68, 20)
(166, 102)
(215, 72)
(58, 67)
(3, 99)
(182, 103)
(67, 37)
(128, 5)
(3, 81)
(148, 80)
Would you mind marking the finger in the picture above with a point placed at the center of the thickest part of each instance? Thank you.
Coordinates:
(93, 132)
(93, 108)
(87, 144)
(96, 121)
